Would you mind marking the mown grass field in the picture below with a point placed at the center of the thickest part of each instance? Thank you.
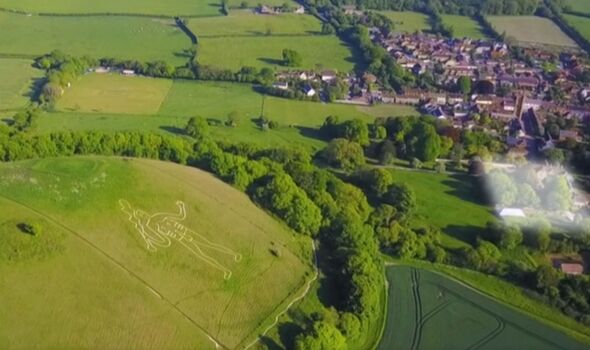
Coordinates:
(113, 103)
(449, 202)
(247, 39)
(89, 244)
(115, 94)
(143, 7)
(423, 305)
(120, 37)
(582, 6)
(464, 26)
(582, 24)
(246, 23)
(532, 30)
(17, 78)
(407, 21)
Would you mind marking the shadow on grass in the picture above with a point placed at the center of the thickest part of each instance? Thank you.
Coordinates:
(467, 234)
(34, 91)
(269, 60)
(172, 129)
(312, 133)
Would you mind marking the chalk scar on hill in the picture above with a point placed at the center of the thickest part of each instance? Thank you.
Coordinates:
(159, 230)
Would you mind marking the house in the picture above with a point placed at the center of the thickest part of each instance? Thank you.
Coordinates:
(300, 10)
(309, 91)
(569, 134)
(265, 10)
(128, 72)
(328, 75)
(351, 10)
(303, 76)
(572, 268)
(283, 85)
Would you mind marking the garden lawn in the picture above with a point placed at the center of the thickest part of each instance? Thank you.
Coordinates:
(464, 26)
(582, 24)
(449, 202)
(531, 30)
(141, 7)
(423, 305)
(91, 247)
(246, 23)
(17, 78)
(407, 21)
(143, 39)
(115, 93)
(317, 52)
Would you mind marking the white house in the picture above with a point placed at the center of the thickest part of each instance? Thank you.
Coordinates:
(128, 72)
(283, 85)
(328, 75)
(309, 91)
(512, 212)
(300, 10)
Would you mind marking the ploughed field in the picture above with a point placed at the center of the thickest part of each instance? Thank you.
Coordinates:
(139, 253)
(427, 310)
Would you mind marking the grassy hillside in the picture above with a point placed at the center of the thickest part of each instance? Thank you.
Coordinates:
(423, 305)
(407, 21)
(109, 215)
(531, 30)
(449, 202)
(17, 79)
(144, 7)
(119, 37)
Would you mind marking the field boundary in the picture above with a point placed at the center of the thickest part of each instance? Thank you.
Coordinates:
(217, 343)
(101, 14)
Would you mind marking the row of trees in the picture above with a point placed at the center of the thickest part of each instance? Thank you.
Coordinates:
(460, 7)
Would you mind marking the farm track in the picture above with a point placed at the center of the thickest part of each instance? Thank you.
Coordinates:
(417, 335)
(499, 329)
(217, 343)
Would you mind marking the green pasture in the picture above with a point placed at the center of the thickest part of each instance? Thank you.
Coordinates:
(119, 37)
(407, 21)
(247, 23)
(423, 305)
(582, 6)
(531, 30)
(115, 93)
(317, 52)
(447, 201)
(111, 102)
(90, 247)
(140, 7)
(17, 78)
(582, 24)
(464, 26)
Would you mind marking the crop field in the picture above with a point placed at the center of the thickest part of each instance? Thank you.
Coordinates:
(115, 94)
(407, 21)
(111, 102)
(17, 78)
(142, 7)
(175, 247)
(247, 39)
(532, 30)
(582, 6)
(443, 199)
(246, 23)
(582, 24)
(120, 37)
(423, 305)
(464, 26)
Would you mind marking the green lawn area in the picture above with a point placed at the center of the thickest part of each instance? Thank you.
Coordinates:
(449, 202)
(17, 79)
(531, 30)
(407, 21)
(97, 217)
(246, 23)
(115, 93)
(111, 102)
(582, 6)
(582, 24)
(464, 26)
(317, 51)
(143, 7)
(423, 305)
(120, 37)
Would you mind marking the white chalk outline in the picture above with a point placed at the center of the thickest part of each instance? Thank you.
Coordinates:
(158, 230)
